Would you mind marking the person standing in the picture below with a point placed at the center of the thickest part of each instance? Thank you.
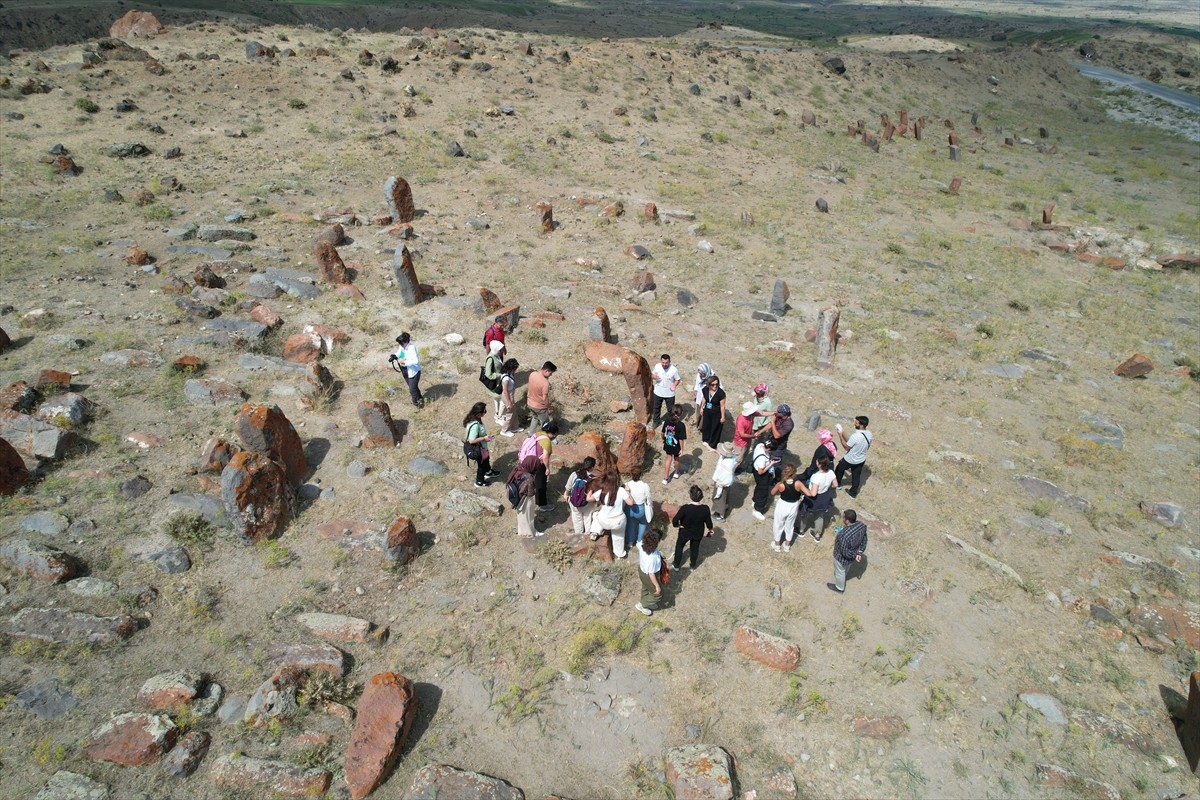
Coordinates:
(577, 497)
(780, 429)
(674, 436)
(541, 447)
(848, 548)
(743, 432)
(666, 381)
(507, 416)
(638, 508)
(694, 522)
(649, 565)
(826, 448)
(475, 444)
(538, 397)
(522, 476)
(712, 413)
(722, 479)
(703, 373)
(815, 506)
(763, 465)
(856, 453)
(495, 333)
(791, 491)
(609, 516)
(765, 409)
(490, 376)
(407, 362)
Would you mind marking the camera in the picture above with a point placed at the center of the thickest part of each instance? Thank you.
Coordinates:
(392, 357)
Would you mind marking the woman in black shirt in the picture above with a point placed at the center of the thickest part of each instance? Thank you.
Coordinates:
(694, 523)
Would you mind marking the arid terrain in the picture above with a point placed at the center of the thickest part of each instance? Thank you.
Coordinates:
(1027, 616)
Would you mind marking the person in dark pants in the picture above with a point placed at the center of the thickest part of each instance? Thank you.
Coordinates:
(848, 548)
(406, 361)
(763, 464)
(694, 522)
(475, 434)
(711, 413)
(541, 446)
(666, 380)
(856, 453)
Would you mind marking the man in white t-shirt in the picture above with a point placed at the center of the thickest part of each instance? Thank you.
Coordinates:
(856, 453)
(666, 381)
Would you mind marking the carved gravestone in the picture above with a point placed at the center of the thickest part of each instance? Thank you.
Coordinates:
(399, 199)
(599, 328)
(827, 334)
(406, 278)
(955, 153)
(779, 297)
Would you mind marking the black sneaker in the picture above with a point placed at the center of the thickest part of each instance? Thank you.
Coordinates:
(481, 483)
(491, 473)
(833, 588)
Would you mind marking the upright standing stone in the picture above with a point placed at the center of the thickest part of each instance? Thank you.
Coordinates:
(903, 117)
(1135, 366)
(13, 473)
(955, 183)
(255, 493)
(651, 212)
(599, 328)
(1189, 731)
(808, 117)
(633, 448)
(330, 264)
(594, 444)
(511, 316)
(779, 297)
(888, 131)
(376, 417)
(399, 199)
(406, 278)
(489, 299)
(638, 379)
(827, 334)
(1047, 214)
(952, 138)
(385, 715)
(955, 153)
(546, 215)
(264, 429)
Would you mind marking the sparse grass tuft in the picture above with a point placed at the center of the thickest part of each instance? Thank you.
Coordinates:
(603, 637)
(188, 528)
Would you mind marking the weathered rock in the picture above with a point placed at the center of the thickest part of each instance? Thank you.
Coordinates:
(1047, 705)
(637, 252)
(887, 728)
(265, 315)
(47, 523)
(1036, 487)
(385, 715)
(64, 785)
(18, 396)
(1113, 730)
(779, 297)
(1169, 515)
(699, 772)
(511, 316)
(650, 212)
(13, 472)
(399, 199)
(545, 216)
(334, 235)
(47, 699)
(317, 380)
(470, 504)
(275, 699)
(65, 627)
(187, 754)
(1136, 366)
(401, 544)
(772, 651)
(612, 210)
(602, 588)
(211, 392)
(217, 233)
(991, 563)
(91, 587)
(215, 454)
(132, 739)
(1174, 623)
(35, 437)
(340, 628)
(411, 291)
(1180, 261)
(172, 560)
(265, 429)
(376, 417)
(1056, 777)
(255, 493)
(827, 336)
(639, 382)
(439, 781)
(131, 358)
(633, 448)
(69, 410)
(169, 690)
(329, 264)
(302, 348)
(599, 328)
(268, 778)
(136, 23)
(38, 561)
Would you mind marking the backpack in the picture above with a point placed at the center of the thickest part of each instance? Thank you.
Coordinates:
(514, 486)
(578, 495)
(530, 447)
(491, 384)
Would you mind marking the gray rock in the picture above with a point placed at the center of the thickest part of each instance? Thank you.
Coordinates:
(686, 298)
(1011, 371)
(128, 150)
(69, 341)
(262, 287)
(1038, 354)
(1043, 524)
(69, 410)
(185, 757)
(779, 297)
(215, 253)
(196, 308)
(1036, 487)
(814, 421)
(47, 523)
(33, 437)
(183, 232)
(1102, 614)
(988, 561)
(454, 150)
(550, 291)
(47, 699)
(469, 504)
(300, 289)
(424, 465)
(64, 785)
(208, 507)
(91, 587)
(233, 710)
(602, 587)
(217, 233)
(1047, 705)
(763, 316)
(209, 700)
(255, 362)
(172, 560)
(274, 699)
(475, 223)
(243, 328)
(399, 480)
(209, 392)
(309, 491)
(1169, 515)
(67, 627)
(357, 469)
(131, 358)
(135, 487)
(705, 246)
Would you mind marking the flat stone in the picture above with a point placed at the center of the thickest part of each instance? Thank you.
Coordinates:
(887, 728)
(208, 507)
(64, 785)
(470, 504)
(268, 778)
(1169, 515)
(62, 626)
(1036, 487)
(91, 587)
(131, 358)
(602, 587)
(772, 651)
(47, 523)
(256, 362)
(1113, 729)
(992, 563)
(187, 754)
(172, 560)
(1043, 524)
(217, 233)
(306, 657)
(386, 712)
(424, 465)
(212, 392)
(135, 487)
(341, 628)
(442, 782)
(132, 739)
(168, 690)
(47, 699)
(1010, 371)
(699, 772)
(38, 561)
(1170, 621)
(246, 329)
(34, 437)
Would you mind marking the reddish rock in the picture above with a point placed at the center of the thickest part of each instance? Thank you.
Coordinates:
(608, 357)
(52, 380)
(955, 184)
(1056, 777)
(38, 561)
(1135, 366)
(302, 348)
(64, 165)
(18, 396)
(137, 257)
(1174, 623)
(699, 772)
(612, 210)
(209, 279)
(412, 291)
(169, 690)
(442, 781)
(215, 454)
(400, 199)
(136, 23)
(376, 417)
(772, 651)
(265, 778)
(328, 336)
(650, 212)
(880, 727)
(177, 285)
(524, 48)
(264, 315)
(13, 472)
(385, 716)
(401, 543)
(350, 291)
(265, 429)
(317, 380)
(633, 448)
(1180, 261)
(643, 281)
(639, 382)
(334, 235)
(490, 301)
(339, 711)
(5, 341)
(545, 216)
(132, 739)
(1114, 263)
(596, 446)
(340, 628)
(256, 495)
(329, 264)
(598, 550)
(549, 316)
(308, 657)
(511, 317)
(187, 754)
(188, 364)
(637, 252)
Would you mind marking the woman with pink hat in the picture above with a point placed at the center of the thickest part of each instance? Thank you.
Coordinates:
(826, 448)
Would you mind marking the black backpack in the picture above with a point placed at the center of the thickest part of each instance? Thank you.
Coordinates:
(513, 487)
(491, 384)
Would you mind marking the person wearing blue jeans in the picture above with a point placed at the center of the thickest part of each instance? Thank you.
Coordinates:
(638, 509)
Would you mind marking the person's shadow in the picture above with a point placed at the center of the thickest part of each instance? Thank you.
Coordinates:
(439, 391)
(857, 569)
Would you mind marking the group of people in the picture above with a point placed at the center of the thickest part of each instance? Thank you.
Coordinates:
(601, 504)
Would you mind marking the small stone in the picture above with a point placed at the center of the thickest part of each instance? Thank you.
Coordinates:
(47, 699)
(135, 487)
(187, 754)
(64, 785)
(168, 690)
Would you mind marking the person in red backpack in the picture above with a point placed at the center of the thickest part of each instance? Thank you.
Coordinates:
(495, 333)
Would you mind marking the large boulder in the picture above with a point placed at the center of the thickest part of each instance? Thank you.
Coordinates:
(133, 739)
(256, 495)
(33, 437)
(136, 23)
(385, 715)
(329, 264)
(376, 417)
(39, 561)
(13, 472)
(264, 429)
(699, 772)
(633, 448)
(61, 626)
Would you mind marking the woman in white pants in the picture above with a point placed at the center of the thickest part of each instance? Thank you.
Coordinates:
(581, 516)
(609, 514)
(791, 491)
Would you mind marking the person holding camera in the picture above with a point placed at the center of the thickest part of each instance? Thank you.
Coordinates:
(406, 361)
(764, 464)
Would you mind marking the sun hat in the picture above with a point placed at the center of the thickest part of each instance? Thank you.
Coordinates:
(749, 408)
(760, 389)
(784, 409)
(725, 450)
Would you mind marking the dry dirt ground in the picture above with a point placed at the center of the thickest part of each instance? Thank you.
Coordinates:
(938, 293)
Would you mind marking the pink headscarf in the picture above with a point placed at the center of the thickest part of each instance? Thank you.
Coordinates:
(826, 438)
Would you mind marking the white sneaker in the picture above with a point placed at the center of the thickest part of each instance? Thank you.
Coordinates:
(666, 481)
(676, 476)
(644, 610)
(787, 546)
(757, 515)
(775, 546)
(509, 434)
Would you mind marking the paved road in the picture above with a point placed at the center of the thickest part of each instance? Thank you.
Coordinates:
(1174, 96)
